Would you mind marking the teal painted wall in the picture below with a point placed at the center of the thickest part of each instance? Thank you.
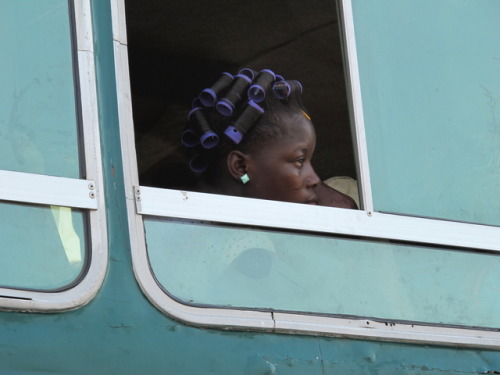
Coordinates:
(119, 332)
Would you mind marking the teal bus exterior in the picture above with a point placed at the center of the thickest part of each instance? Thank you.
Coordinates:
(118, 326)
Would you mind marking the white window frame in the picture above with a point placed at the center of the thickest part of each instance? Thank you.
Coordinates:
(86, 194)
(146, 201)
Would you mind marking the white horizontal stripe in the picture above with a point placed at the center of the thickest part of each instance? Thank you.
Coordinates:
(273, 214)
(387, 331)
(49, 190)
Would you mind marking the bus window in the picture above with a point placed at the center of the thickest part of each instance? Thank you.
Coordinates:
(430, 107)
(176, 49)
(52, 255)
(231, 267)
(38, 113)
(405, 266)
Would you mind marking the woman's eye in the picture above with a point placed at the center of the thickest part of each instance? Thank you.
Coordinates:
(300, 162)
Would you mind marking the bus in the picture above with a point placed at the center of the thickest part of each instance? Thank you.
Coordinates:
(114, 263)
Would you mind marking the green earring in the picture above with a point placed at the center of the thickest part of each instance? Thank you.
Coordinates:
(244, 179)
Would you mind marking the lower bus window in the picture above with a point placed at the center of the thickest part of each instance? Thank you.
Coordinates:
(243, 268)
(43, 248)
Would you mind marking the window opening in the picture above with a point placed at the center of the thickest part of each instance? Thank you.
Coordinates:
(176, 49)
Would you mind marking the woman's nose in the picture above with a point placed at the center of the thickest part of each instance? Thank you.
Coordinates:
(312, 178)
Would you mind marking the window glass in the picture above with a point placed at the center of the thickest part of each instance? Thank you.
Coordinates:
(42, 248)
(38, 121)
(430, 83)
(215, 265)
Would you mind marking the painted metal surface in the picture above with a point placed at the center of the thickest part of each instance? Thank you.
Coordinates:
(119, 332)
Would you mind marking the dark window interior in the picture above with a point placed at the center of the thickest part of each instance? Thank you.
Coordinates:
(176, 48)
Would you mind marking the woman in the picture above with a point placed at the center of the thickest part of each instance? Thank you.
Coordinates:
(250, 136)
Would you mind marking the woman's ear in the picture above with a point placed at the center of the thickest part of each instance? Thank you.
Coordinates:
(237, 163)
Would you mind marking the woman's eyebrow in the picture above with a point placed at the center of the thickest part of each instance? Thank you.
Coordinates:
(301, 149)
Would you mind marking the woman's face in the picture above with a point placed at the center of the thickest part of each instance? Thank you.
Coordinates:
(282, 170)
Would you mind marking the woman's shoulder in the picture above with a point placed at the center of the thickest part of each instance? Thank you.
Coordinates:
(339, 192)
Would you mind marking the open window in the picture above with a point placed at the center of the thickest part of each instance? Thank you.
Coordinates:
(177, 49)
(51, 207)
(406, 266)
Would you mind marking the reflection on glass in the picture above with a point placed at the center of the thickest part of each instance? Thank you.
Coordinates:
(430, 85)
(42, 247)
(38, 128)
(310, 273)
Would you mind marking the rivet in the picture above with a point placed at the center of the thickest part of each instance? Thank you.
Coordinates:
(92, 195)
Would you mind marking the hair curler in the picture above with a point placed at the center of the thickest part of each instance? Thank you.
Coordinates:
(196, 102)
(226, 105)
(257, 92)
(198, 164)
(208, 138)
(189, 138)
(244, 122)
(250, 73)
(209, 95)
(283, 89)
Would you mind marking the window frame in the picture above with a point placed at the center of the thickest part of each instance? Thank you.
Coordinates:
(86, 194)
(146, 201)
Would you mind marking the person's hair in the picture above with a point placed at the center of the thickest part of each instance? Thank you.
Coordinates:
(243, 112)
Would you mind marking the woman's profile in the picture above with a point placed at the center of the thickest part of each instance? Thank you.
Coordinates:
(250, 136)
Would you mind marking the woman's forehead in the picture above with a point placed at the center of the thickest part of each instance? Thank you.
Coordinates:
(298, 133)
(298, 126)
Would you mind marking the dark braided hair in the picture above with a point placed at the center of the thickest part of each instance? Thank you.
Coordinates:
(242, 112)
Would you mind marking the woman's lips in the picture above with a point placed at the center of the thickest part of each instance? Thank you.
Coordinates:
(313, 200)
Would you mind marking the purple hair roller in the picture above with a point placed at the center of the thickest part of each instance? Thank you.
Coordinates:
(257, 92)
(189, 138)
(226, 105)
(283, 89)
(209, 96)
(209, 138)
(196, 102)
(247, 119)
(198, 164)
(250, 73)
